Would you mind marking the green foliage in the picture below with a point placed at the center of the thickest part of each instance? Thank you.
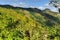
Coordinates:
(18, 24)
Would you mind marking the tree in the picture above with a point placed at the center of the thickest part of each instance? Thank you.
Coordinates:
(56, 4)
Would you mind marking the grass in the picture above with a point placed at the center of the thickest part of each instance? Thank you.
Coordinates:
(21, 24)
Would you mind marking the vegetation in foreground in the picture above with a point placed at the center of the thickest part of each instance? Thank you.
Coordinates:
(28, 24)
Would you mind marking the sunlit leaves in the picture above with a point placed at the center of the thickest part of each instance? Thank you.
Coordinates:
(21, 24)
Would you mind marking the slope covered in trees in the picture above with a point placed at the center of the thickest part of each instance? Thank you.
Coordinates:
(28, 24)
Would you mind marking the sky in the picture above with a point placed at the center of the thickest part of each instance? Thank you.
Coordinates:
(41, 4)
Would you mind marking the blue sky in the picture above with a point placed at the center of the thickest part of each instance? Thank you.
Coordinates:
(41, 4)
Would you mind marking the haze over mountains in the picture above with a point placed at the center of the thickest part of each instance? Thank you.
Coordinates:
(17, 23)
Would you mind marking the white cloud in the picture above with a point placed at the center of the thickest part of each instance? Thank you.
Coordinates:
(47, 5)
(44, 6)
(41, 7)
(22, 4)
(15, 5)
(53, 9)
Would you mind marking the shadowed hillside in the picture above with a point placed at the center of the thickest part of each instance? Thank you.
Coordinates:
(17, 23)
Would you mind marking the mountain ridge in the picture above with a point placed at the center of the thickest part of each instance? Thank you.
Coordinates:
(29, 8)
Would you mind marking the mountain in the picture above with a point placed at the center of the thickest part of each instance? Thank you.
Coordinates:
(17, 23)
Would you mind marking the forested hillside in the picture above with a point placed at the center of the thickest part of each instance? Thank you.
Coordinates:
(18, 23)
